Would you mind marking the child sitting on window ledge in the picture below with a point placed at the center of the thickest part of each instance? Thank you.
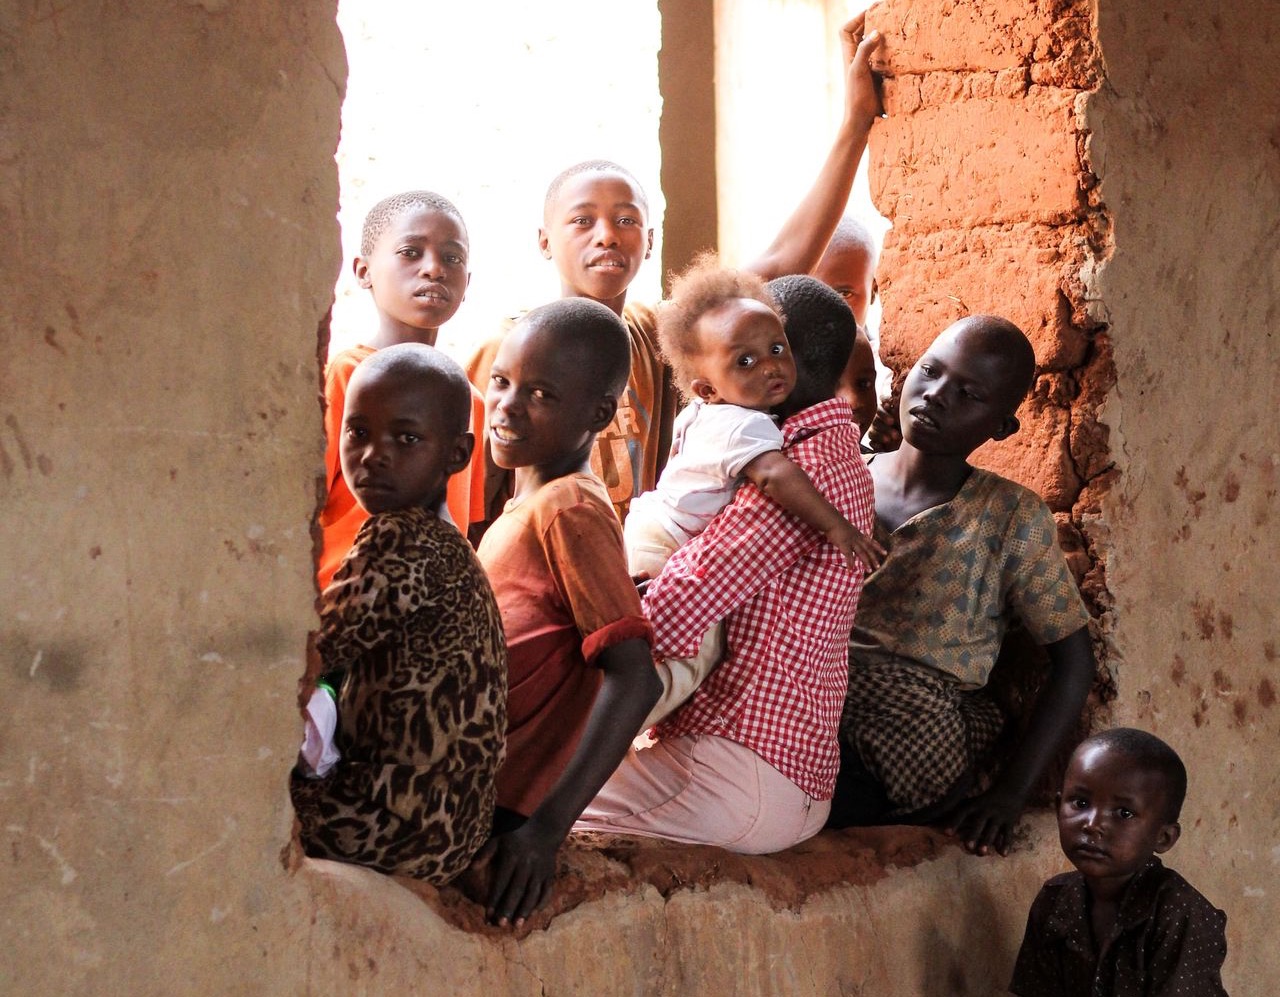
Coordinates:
(968, 553)
(411, 626)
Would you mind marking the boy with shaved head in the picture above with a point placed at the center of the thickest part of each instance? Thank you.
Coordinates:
(1122, 923)
(596, 230)
(580, 672)
(969, 554)
(410, 638)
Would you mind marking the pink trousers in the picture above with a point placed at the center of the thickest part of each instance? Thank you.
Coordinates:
(703, 789)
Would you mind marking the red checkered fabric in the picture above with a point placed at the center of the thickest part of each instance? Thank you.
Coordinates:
(788, 600)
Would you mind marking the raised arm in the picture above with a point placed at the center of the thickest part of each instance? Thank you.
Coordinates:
(524, 860)
(784, 482)
(987, 820)
(803, 237)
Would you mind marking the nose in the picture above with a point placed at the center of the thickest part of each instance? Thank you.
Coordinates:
(501, 400)
(1093, 821)
(431, 264)
(373, 455)
(606, 233)
(935, 393)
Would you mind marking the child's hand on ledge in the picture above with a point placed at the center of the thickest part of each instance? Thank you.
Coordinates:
(986, 821)
(522, 866)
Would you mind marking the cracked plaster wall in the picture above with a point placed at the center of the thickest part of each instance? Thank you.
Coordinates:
(168, 198)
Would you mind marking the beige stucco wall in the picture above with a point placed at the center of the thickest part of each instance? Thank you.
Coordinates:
(168, 198)
(1186, 140)
(169, 250)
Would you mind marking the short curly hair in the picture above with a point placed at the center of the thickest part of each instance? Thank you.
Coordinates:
(703, 286)
(382, 214)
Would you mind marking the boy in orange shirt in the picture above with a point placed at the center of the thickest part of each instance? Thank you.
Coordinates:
(413, 258)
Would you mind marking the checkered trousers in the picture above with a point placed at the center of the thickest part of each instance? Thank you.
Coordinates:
(916, 729)
(788, 600)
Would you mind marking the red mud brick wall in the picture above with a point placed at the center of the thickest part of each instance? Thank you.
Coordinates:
(981, 166)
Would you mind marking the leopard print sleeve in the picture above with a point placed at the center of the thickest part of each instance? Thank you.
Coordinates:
(372, 592)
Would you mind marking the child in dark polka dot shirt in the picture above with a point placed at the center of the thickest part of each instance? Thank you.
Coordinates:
(1122, 924)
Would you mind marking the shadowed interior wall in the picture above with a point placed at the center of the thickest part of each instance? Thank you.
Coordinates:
(1185, 136)
(168, 197)
(168, 200)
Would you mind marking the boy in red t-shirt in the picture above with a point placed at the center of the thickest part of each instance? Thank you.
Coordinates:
(413, 258)
(580, 674)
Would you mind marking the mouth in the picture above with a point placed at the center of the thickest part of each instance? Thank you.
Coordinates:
(924, 418)
(1088, 851)
(504, 435)
(370, 485)
(432, 293)
(613, 262)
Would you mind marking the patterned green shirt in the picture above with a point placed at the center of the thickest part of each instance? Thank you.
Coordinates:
(959, 574)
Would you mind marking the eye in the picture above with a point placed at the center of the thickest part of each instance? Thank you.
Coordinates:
(1124, 813)
(1078, 803)
(454, 260)
(747, 360)
(628, 220)
(542, 394)
(777, 349)
(580, 221)
(356, 433)
(408, 439)
(926, 369)
(865, 384)
(408, 252)
(497, 380)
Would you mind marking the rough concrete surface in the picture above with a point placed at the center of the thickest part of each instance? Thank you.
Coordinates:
(168, 198)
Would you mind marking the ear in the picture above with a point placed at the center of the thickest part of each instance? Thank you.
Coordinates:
(360, 267)
(648, 246)
(1008, 426)
(544, 244)
(603, 414)
(703, 389)
(1167, 837)
(460, 453)
(875, 291)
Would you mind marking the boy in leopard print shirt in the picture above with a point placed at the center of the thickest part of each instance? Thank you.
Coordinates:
(410, 622)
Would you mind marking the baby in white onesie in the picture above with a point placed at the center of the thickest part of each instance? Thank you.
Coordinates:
(725, 342)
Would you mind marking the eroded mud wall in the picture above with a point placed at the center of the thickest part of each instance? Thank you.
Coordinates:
(980, 166)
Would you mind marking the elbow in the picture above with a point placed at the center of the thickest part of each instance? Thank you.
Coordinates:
(651, 687)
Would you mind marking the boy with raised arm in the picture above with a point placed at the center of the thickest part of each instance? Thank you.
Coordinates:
(595, 229)
(969, 552)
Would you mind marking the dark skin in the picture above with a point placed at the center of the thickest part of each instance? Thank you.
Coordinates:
(960, 394)
(523, 862)
(543, 391)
